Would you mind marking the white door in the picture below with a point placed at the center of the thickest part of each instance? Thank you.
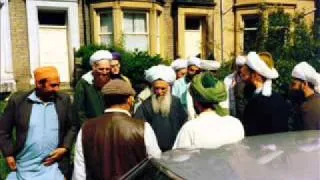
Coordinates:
(193, 36)
(53, 44)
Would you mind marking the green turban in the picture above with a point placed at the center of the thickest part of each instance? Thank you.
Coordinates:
(206, 88)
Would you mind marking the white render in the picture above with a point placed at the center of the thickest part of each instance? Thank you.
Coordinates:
(7, 81)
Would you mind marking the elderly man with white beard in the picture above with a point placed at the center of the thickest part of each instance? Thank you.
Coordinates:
(162, 110)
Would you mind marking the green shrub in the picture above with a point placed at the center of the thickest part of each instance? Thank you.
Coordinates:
(2, 107)
(4, 170)
(282, 84)
(278, 33)
(225, 69)
(286, 37)
(134, 64)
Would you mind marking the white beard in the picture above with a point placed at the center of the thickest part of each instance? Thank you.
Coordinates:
(161, 104)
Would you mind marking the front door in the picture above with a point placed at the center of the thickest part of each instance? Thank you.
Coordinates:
(193, 36)
(53, 43)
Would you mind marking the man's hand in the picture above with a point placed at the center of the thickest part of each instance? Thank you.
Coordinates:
(54, 156)
(11, 163)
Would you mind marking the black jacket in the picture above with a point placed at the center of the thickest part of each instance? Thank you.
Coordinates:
(265, 115)
(166, 128)
(17, 115)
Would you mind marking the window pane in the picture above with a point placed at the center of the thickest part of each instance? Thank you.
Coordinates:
(136, 42)
(250, 33)
(128, 23)
(106, 23)
(193, 23)
(47, 17)
(140, 22)
(106, 39)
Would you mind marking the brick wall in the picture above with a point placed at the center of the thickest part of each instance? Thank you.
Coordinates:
(84, 23)
(19, 37)
(169, 27)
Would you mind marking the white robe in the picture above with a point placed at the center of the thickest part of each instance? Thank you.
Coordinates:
(230, 82)
(209, 130)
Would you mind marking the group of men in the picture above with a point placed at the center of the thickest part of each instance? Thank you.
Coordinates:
(185, 106)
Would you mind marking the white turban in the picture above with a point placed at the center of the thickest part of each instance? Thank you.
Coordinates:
(160, 72)
(241, 60)
(194, 61)
(210, 65)
(100, 55)
(306, 72)
(179, 64)
(258, 65)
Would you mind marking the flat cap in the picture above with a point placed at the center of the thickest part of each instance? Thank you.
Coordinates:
(118, 87)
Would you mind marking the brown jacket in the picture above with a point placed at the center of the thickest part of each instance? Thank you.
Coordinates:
(311, 113)
(112, 145)
(17, 115)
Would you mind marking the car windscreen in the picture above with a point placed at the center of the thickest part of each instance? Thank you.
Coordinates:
(149, 169)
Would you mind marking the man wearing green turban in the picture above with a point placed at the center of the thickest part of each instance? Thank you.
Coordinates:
(212, 128)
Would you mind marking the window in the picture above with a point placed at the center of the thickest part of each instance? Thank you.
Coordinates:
(250, 33)
(135, 29)
(49, 17)
(193, 23)
(106, 27)
(149, 169)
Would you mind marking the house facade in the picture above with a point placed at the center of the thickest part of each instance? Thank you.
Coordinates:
(46, 32)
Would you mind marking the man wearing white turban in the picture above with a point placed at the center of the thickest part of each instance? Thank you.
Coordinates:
(88, 100)
(305, 86)
(181, 85)
(210, 65)
(235, 87)
(267, 111)
(180, 67)
(163, 111)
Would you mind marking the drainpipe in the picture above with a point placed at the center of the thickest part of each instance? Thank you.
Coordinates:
(317, 25)
(1, 4)
(221, 30)
(84, 17)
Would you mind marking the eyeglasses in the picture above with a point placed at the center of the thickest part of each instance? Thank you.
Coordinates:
(103, 69)
(114, 65)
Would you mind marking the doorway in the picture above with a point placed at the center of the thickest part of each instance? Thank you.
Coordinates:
(53, 41)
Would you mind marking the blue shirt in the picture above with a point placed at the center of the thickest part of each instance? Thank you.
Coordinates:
(180, 86)
(42, 139)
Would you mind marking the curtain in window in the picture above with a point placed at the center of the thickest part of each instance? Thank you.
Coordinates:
(135, 31)
(106, 28)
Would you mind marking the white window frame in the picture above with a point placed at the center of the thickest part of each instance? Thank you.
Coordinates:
(147, 33)
(158, 33)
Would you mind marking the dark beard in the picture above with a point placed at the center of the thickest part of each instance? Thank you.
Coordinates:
(248, 90)
(188, 78)
(296, 97)
(115, 76)
(46, 96)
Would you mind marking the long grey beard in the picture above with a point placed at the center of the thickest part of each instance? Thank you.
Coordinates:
(161, 104)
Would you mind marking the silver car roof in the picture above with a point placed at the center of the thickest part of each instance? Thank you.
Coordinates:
(291, 155)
